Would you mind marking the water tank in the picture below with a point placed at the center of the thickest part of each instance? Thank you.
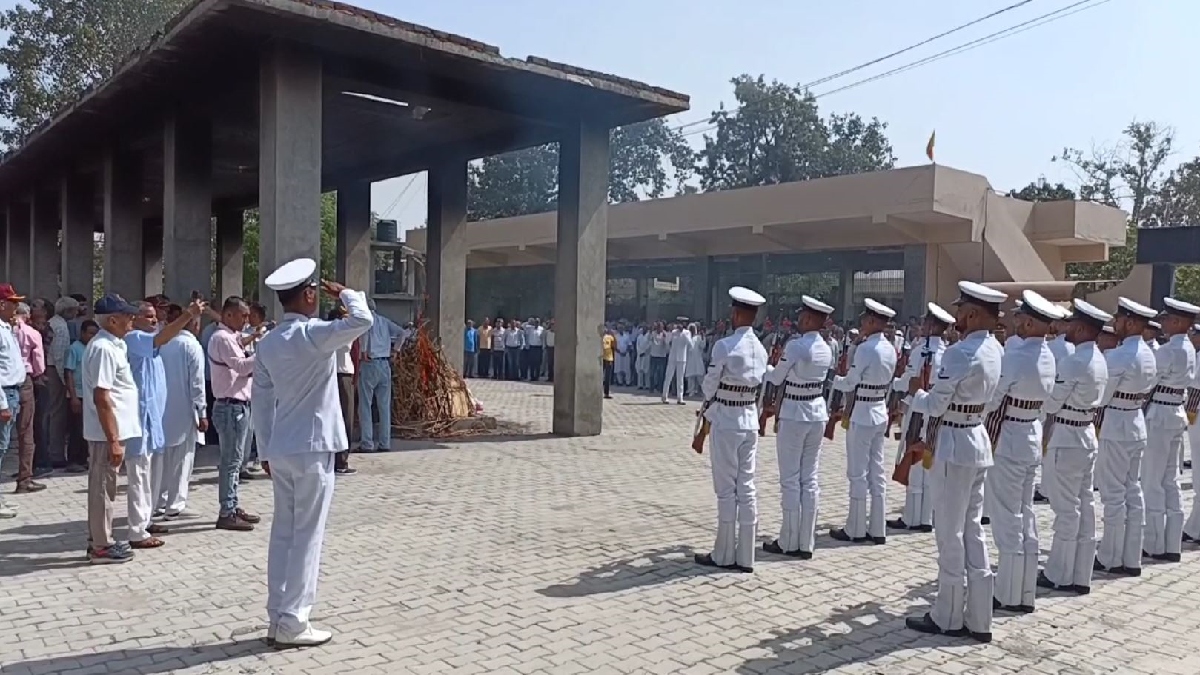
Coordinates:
(387, 231)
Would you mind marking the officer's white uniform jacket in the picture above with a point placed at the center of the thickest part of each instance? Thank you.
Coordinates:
(740, 361)
(1026, 374)
(969, 375)
(296, 407)
(1131, 370)
(873, 364)
(681, 344)
(1060, 348)
(921, 351)
(1078, 390)
(804, 367)
(1176, 370)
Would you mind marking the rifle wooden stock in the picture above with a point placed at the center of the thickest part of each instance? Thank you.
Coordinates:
(772, 393)
(837, 399)
(701, 436)
(914, 447)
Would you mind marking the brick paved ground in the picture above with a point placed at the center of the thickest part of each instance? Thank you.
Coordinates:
(537, 554)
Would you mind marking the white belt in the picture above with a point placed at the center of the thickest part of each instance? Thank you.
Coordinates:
(965, 419)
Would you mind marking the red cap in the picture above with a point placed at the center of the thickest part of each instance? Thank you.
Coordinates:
(7, 292)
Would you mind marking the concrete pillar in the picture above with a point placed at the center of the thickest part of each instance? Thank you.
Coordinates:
(187, 206)
(152, 258)
(915, 259)
(845, 301)
(78, 246)
(580, 279)
(230, 234)
(354, 236)
(446, 260)
(17, 248)
(122, 186)
(702, 289)
(289, 175)
(43, 246)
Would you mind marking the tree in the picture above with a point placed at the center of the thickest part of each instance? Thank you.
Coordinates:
(776, 135)
(57, 48)
(1041, 191)
(251, 236)
(526, 181)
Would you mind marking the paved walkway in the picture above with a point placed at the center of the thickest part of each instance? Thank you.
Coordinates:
(537, 554)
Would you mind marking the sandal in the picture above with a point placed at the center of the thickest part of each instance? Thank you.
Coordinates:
(157, 529)
(150, 542)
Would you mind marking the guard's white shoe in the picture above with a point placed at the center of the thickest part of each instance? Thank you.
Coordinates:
(309, 637)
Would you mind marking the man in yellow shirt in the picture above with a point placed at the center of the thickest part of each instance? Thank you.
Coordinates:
(610, 356)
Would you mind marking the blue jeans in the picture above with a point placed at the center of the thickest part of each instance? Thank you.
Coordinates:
(13, 396)
(232, 421)
(375, 385)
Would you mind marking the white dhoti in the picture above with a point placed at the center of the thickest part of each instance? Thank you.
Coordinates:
(864, 470)
(1067, 483)
(139, 496)
(303, 487)
(642, 365)
(733, 461)
(799, 448)
(170, 473)
(1164, 507)
(675, 371)
(962, 550)
(1118, 467)
(1192, 528)
(1014, 526)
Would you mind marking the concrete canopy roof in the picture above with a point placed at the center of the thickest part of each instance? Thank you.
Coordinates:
(397, 97)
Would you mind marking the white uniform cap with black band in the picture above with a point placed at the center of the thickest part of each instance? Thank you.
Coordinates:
(812, 304)
(1108, 329)
(879, 309)
(1181, 308)
(1037, 307)
(1089, 313)
(935, 311)
(1136, 310)
(289, 275)
(1154, 325)
(978, 294)
(744, 297)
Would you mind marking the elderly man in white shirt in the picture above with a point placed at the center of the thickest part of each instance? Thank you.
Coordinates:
(298, 422)
(184, 419)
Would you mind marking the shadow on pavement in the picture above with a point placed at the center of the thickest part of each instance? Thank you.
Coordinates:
(659, 566)
(145, 661)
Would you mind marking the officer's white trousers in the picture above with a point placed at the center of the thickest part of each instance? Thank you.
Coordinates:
(1014, 526)
(1193, 522)
(864, 469)
(734, 452)
(1118, 467)
(964, 596)
(303, 486)
(1160, 481)
(799, 449)
(1067, 483)
(675, 371)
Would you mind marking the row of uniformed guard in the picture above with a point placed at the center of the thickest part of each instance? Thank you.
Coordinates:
(1117, 417)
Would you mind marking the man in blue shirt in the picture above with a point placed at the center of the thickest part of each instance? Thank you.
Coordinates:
(375, 381)
(143, 343)
(470, 349)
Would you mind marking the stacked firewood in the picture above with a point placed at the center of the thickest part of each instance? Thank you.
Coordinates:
(429, 396)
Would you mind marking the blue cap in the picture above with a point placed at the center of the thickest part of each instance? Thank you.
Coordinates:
(114, 304)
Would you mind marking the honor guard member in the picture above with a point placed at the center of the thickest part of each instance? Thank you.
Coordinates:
(1166, 424)
(1107, 339)
(731, 387)
(802, 415)
(869, 379)
(1026, 380)
(962, 452)
(926, 357)
(1061, 347)
(1122, 441)
(1191, 529)
(298, 424)
(1070, 459)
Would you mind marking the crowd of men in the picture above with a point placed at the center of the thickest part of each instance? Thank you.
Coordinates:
(1097, 401)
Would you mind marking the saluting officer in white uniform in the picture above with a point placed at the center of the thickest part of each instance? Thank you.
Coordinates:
(962, 451)
(1026, 380)
(1191, 529)
(1166, 424)
(298, 425)
(802, 371)
(918, 495)
(731, 387)
(1070, 460)
(872, 368)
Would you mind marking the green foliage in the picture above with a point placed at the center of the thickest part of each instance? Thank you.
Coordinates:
(776, 135)
(1041, 191)
(251, 237)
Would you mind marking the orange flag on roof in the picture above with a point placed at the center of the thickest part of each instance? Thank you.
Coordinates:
(929, 145)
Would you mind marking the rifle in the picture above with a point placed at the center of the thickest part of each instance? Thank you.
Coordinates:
(703, 428)
(839, 406)
(914, 449)
(894, 397)
(771, 393)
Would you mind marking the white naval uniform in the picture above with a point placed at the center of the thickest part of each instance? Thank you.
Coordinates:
(739, 364)
(298, 425)
(171, 469)
(1026, 380)
(969, 375)
(802, 415)
(1068, 466)
(1166, 423)
(918, 496)
(872, 368)
(680, 345)
(1061, 349)
(1192, 527)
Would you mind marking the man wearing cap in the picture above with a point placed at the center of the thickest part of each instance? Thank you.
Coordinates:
(1067, 468)
(680, 343)
(1061, 348)
(962, 453)
(802, 415)
(299, 428)
(926, 358)
(872, 367)
(731, 387)
(1107, 340)
(1151, 334)
(12, 376)
(1026, 380)
(1122, 441)
(1191, 529)
(1166, 424)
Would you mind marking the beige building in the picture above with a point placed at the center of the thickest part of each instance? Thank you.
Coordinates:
(904, 236)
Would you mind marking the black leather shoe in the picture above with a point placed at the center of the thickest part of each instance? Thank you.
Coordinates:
(922, 528)
(1097, 567)
(1164, 557)
(840, 535)
(1130, 571)
(1044, 582)
(1079, 589)
(741, 568)
(897, 524)
(706, 560)
(985, 521)
(1189, 539)
(774, 547)
(879, 541)
(925, 624)
(1019, 609)
(1039, 498)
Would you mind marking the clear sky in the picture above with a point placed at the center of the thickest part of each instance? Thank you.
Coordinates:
(1002, 110)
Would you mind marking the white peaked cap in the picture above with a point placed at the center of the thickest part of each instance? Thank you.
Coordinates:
(815, 305)
(1089, 312)
(936, 311)
(1180, 307)
(980, 293)
(1154, 324)
(1033, 304)
(745, 296)
(1108, 329)
(879, 308)
(292, 274)
(1135, 308)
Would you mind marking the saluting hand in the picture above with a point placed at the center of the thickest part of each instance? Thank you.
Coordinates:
(332, 287)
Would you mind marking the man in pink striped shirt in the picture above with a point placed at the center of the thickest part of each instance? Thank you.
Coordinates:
(33, 353)
(231, 369)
